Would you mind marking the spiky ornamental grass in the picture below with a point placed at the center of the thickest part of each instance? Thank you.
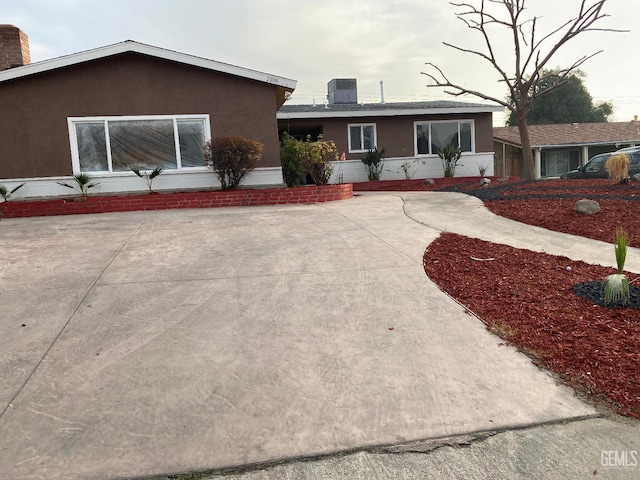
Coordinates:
(617, 166)
(616, 286)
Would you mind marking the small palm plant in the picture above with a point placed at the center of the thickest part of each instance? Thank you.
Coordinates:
(616, 286)
(146, 175)
(83, 183)
(6, 193)
(373, 161)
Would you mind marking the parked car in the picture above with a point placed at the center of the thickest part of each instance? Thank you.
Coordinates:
(594, 168)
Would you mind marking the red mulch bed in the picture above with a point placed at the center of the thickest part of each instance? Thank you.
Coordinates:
(526, 297)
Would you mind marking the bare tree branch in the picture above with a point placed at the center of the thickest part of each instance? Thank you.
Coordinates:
(446, 83)
(532, 54)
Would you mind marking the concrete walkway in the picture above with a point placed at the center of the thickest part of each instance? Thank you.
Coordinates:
(157, 343)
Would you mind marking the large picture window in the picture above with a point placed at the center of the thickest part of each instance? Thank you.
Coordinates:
(362, 137)
(431, 137)
(112, 144)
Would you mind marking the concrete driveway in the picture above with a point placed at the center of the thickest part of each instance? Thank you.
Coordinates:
(151, 343)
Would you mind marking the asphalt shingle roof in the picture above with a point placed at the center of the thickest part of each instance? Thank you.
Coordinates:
(358, 107)
(572, 134)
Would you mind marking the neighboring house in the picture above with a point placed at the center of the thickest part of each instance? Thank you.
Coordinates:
(409, 131)
(560, 148)
(101, 110)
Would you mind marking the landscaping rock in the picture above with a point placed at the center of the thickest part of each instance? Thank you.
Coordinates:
(587, 207)
(636, 177)
(485, 181)
(430, 181)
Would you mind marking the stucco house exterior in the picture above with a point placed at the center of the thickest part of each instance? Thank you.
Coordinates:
(560, 148)
(100, 110)
(409, 131)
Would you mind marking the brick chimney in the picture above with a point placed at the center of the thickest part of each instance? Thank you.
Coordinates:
(14, 47)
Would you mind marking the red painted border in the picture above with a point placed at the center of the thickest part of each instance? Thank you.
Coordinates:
(164, 201)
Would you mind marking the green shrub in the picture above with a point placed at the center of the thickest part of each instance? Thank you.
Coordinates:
(292, 168)
(373, 161)
(449, 154)
(231, 158)
(316, 158)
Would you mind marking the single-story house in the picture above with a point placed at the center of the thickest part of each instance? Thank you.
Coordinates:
(101, 110)
(410, 132)
(560, 148)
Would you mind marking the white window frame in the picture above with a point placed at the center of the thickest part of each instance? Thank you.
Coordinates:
(361, 147)
(75, 156)
(429, 123)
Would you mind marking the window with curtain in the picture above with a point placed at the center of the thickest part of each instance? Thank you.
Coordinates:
(431, 137)
(112, 144)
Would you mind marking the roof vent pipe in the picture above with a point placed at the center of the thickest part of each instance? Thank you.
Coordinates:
(381, 92)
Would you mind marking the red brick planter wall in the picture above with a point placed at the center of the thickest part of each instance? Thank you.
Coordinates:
(164, 201)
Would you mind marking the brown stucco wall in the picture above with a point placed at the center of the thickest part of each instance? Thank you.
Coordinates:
(394, 133)
(34, 136)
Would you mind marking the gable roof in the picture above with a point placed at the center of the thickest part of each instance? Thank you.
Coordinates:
(572, 134)
(337, 110)
(132, 46)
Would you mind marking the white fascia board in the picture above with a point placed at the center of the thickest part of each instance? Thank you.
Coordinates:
(131, 46)
(328, 113)
(569, 145)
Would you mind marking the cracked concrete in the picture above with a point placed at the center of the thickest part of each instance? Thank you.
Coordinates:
(144, 344)
(585, 448)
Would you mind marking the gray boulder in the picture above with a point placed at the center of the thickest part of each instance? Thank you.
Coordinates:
(636, 177)
(485, 181)
(587, 207)
(430, 181)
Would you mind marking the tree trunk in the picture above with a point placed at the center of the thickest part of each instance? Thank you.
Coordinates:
(530, 172)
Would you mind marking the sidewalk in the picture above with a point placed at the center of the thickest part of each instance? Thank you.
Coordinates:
(145, 344)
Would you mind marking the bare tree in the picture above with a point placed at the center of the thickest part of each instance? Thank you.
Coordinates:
(532, 57)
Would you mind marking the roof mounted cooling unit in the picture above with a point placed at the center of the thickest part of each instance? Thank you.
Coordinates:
(343, 90)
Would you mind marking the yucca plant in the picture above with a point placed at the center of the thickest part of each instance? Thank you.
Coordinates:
(6, 194)
(373, 161)
(449, 154)
(617, 166)
(616, 286)
(83, 183)
(146, 175)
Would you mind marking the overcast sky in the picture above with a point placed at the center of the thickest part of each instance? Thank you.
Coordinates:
(313, 41)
